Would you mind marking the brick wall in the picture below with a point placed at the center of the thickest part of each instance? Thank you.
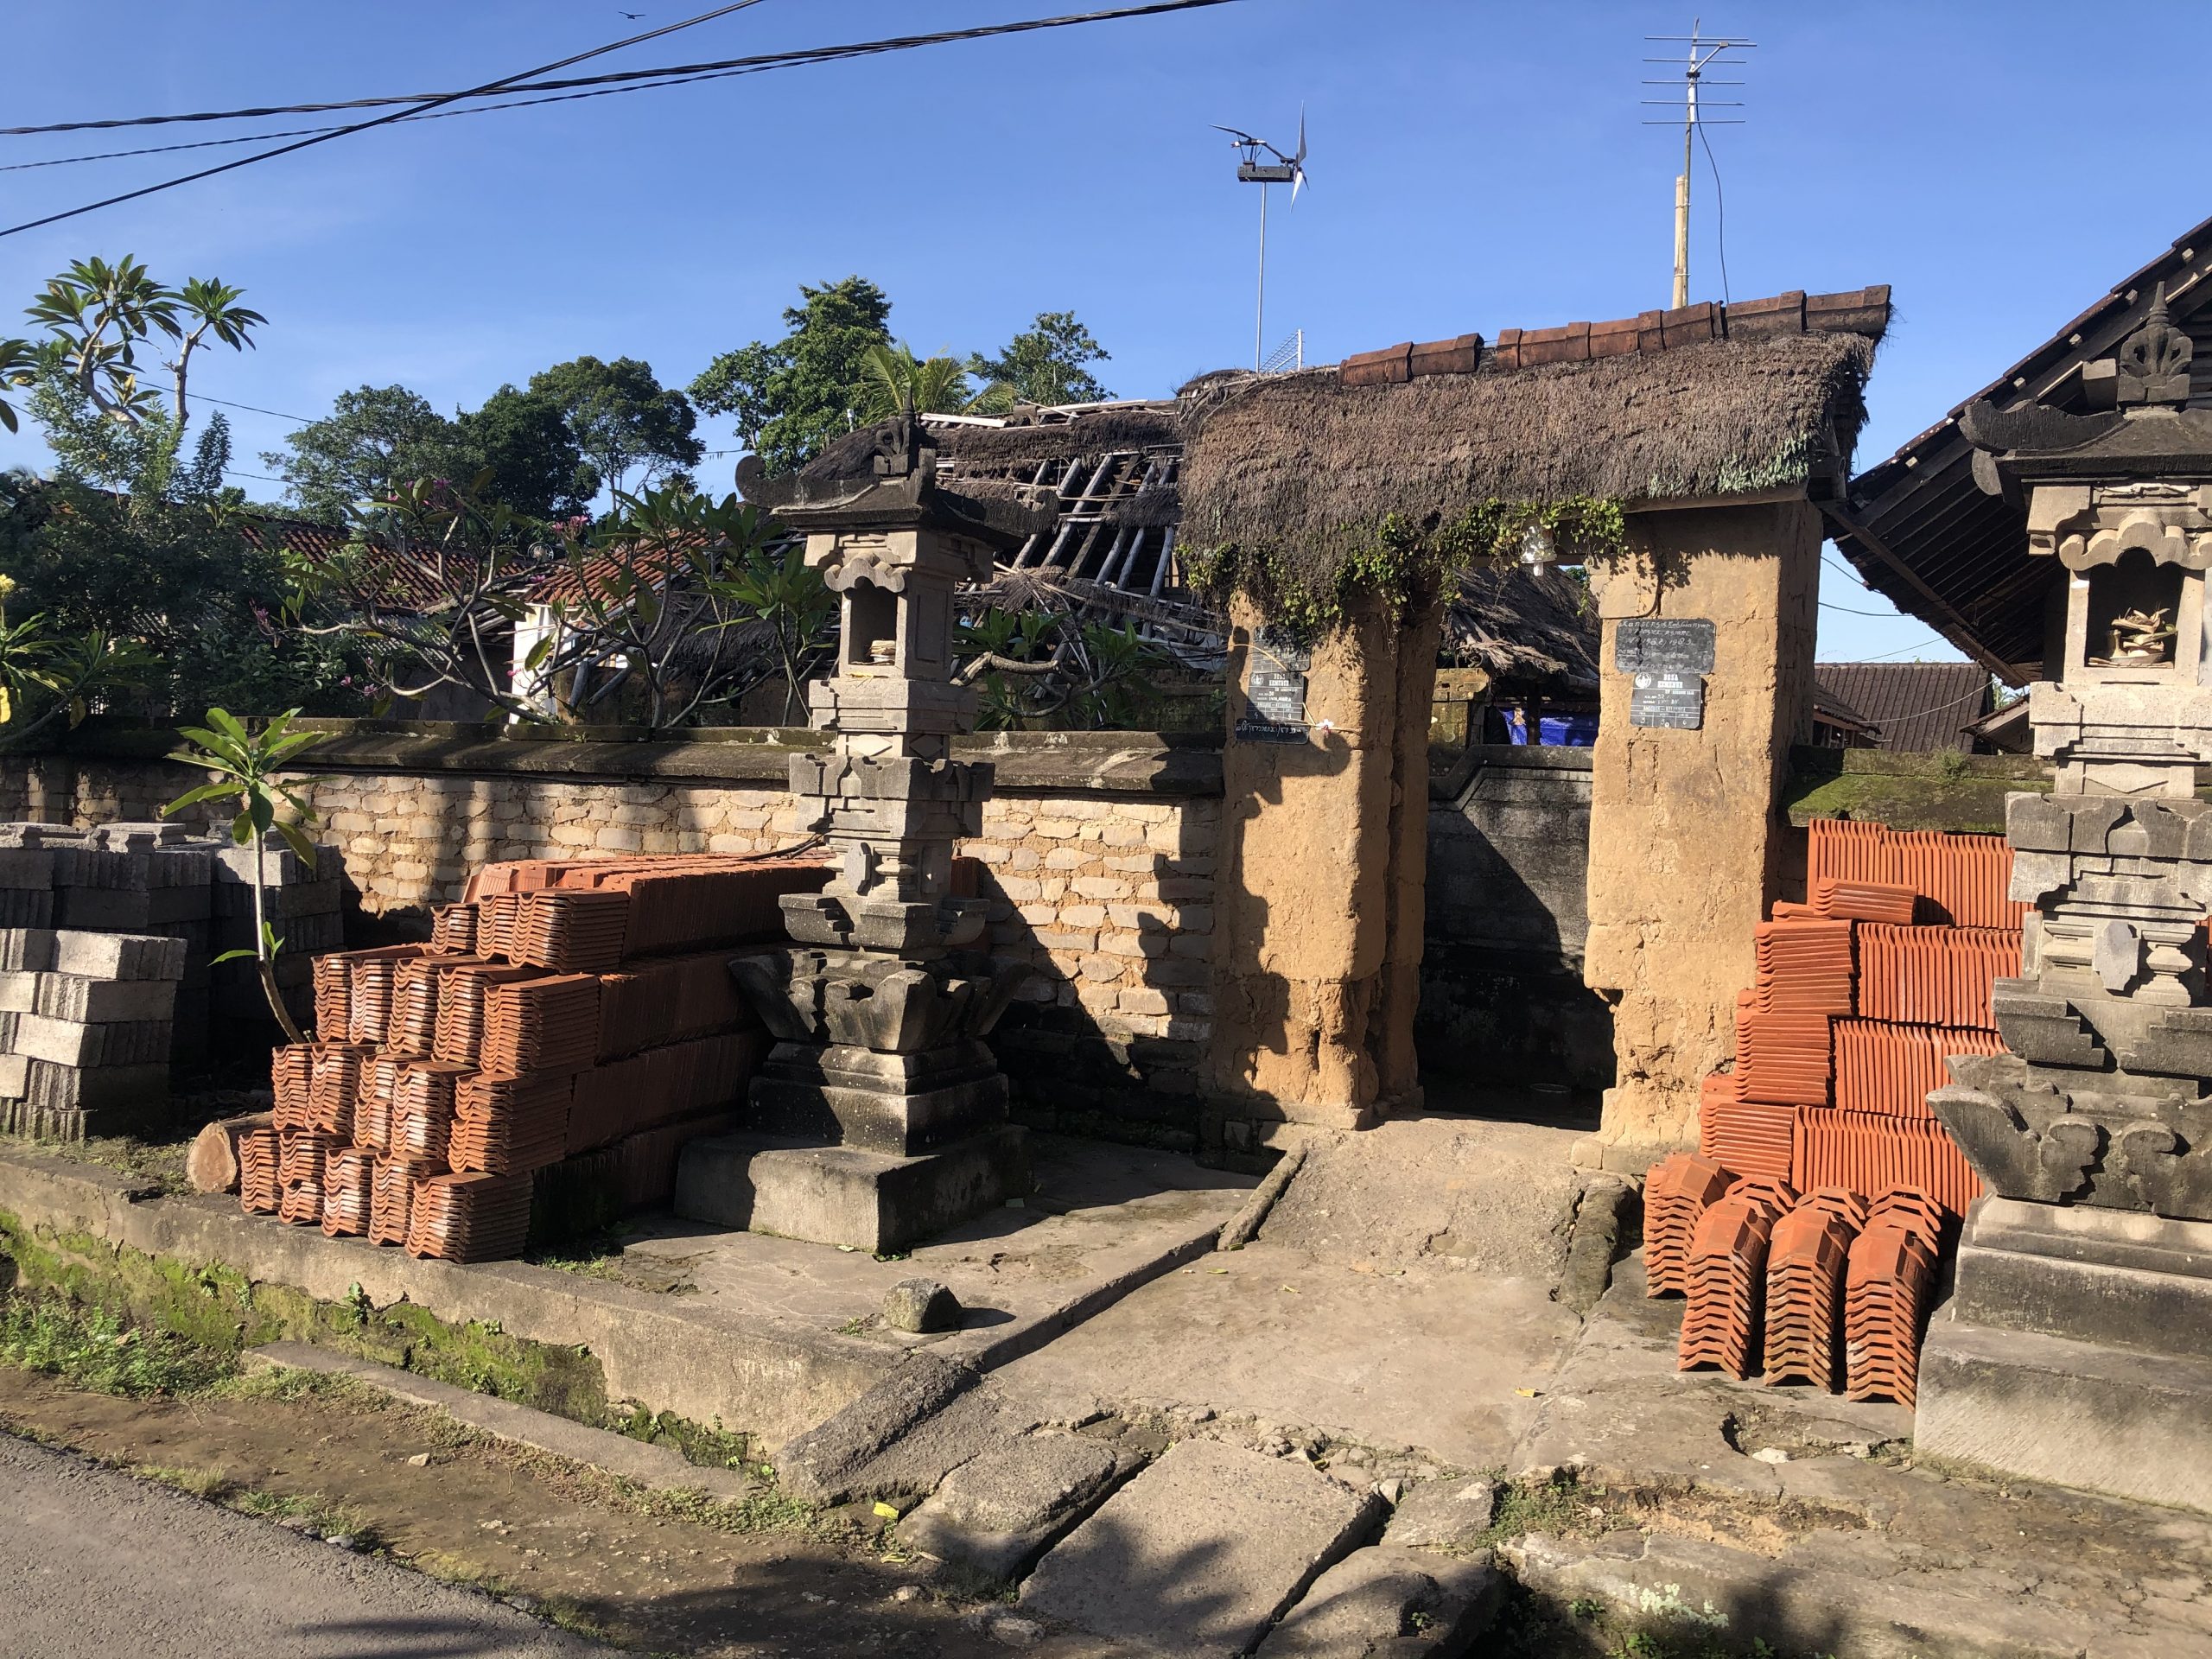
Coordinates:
(1098, 851)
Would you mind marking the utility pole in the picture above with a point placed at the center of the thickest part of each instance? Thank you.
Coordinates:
(1702, 52)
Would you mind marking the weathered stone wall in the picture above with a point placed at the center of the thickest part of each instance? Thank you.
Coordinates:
(1322, 863)
(1503, 1000)
(1098, 849)
(1688, 838)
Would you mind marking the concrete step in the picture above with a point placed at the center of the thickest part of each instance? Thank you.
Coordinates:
(847, 1196)
(656, 1467)
(1386, 1602)
(1201, 1553)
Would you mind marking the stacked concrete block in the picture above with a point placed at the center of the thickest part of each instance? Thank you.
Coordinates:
(304, 906)
(85, 1023)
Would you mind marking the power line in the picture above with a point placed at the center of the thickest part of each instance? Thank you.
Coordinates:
(1720, 213)
(202, 398)
(382, 120)
(674, 74)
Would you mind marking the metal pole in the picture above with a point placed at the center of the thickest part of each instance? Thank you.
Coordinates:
(1260, 320)
(1682, 182)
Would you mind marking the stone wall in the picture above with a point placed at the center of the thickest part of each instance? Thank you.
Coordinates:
(1503, 1000)
(1098, 849)
(1688, 842)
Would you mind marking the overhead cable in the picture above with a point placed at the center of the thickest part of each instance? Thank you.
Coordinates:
(673, 74)
(418, 107)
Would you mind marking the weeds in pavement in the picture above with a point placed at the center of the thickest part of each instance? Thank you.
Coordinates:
(91, 1349)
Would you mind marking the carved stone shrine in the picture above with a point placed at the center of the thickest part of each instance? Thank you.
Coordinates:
(2078, 1346)
(879, 1116)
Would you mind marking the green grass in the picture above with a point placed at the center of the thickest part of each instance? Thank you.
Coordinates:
(89, 1348)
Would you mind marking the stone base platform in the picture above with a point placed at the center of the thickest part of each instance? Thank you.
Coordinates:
(2078, 1413)
(2076, 1348)
(873, 1201)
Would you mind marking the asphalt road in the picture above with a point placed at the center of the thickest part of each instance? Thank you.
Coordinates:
(94, 1564)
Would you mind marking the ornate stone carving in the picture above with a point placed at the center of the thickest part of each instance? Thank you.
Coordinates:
(2101, 1100)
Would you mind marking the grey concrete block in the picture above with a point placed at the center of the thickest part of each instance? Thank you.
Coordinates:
(1000, 1510)
(1202, 1552)
(841, 1195)
(121, 908)
(22, 948)
(2111, 1420)
(102, 1002)
(15, 1076)
(1388, 1603)
(74, 1043)
(117, 955)
(18, 991)
(26, 868)
(69, 1087)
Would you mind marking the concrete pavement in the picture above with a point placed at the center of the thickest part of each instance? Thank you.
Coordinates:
(96, 1564)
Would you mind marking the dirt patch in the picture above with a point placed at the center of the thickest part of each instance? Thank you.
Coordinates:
(628, 1566)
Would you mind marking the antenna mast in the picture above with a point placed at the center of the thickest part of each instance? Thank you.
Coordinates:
(1284, 169)
(1702, 52)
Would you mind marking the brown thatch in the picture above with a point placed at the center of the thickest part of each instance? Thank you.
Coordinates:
(1534, 631)
(1303, 468)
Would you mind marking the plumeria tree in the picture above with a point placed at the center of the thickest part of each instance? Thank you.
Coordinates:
(248, 765)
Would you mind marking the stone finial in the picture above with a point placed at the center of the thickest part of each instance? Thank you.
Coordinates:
(2154, 359)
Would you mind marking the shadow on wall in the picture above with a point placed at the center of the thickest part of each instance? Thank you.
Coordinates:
(1108, 1039)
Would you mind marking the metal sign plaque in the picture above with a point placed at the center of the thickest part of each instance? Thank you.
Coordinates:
(1662, 697)
(1678, 644)
(1275, 690)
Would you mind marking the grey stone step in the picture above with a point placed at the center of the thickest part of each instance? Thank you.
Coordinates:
(1201, 1553)
(998, 1512)
(657, 1467)
(1390, 1603)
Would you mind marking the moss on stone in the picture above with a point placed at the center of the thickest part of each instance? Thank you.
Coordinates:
(218, 1308)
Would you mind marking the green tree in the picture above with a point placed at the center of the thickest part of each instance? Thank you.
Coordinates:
(123, 543)
(374, 438)
(378, 439)
(1043, 364)
(525, 444)
(622, 418)
(791, 397)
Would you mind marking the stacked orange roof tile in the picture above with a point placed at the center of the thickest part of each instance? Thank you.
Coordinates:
(567, 1028)
(1860, 995)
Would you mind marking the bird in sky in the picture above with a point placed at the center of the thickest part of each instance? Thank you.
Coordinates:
(631, 15)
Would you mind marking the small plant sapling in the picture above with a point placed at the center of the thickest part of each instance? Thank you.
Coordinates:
(248, 764)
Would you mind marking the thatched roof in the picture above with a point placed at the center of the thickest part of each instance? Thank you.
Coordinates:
(1530, 630)
(1304, 466)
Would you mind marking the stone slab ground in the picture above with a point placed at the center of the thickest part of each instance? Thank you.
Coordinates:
(1400, 1294)
(736, 1328)
(1708, 1509)
(1201, 1553)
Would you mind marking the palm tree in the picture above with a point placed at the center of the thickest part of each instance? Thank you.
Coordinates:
(899, 383)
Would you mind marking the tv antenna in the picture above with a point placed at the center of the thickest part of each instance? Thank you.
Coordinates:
(1703, 51)
(1284, 169)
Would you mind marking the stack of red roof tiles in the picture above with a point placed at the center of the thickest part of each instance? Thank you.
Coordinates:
(1860, 995)
(568, 1028)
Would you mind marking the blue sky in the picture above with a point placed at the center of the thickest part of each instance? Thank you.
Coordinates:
(1474, 167)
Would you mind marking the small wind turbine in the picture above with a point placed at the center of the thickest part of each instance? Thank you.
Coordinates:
(1284, 169)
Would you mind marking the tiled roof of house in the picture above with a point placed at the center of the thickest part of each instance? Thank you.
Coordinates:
(1915, 707)
(1860, 311)
(1919, 529)
(414, 579)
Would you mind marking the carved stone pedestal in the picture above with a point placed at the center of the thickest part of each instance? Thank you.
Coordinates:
(2078, 1344)
(879, 1116)
(2076, 1348)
